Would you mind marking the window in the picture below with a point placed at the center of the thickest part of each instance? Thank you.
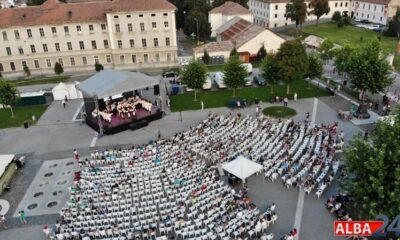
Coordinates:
(66, 30)
(8, 49)
(157, 57)
(121, 58)
(140, 15)
(117, 28)
(155, 42)
(105, 43)
(36, 63)
(275, 25)
(57, 46)
(91, 29)
(166, 24)
(144, 43)
(119, 42)
(132, 43)
(367, 15)
(48, 62)
(128, 16)
(72, 60)
(146, 58)
(60, 61)
(153, 14)
(345, 4)
(54, 30)
(1, 68)
(276, 7)
(81, 45)
(103, 27)
(45, 49)
(23, 63)
(142, 27)
(369, 6)
(165, 14)
(154, 24)
(134, 58)
(341, 4)
(167, 41)
(21, 50)
(381, 19)
(130, 29)
(29, 32)
(94, 45)
(276, 15)
(108, 59)
(41, 32)
(169, 57)
(84, 60)
(375, 8)
(33, 50)
(78, 28)
(115, 16)
(16, 33)
(69, 46)
(96, 59)
(12, 65)
(5, 38)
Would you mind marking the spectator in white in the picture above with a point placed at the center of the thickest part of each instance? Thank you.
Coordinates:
(285, 101)
(76, 154)
(46, 231)
(272, 208)
(257, 110)
(295, 97)
(258, 228)
(3, 221)
(64, 103)
(239, 215)
(264, 225)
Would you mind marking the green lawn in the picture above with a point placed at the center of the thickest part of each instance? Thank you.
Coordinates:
(279, 112)
(21, 114)
(36, 81)
(212, 99)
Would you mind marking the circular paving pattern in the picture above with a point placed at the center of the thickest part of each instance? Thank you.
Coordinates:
(51, 204)
(62, 182)
(38, 194)
(53, 166)
(48, 174)
(69, 163)
(55, 193)
(32, 206)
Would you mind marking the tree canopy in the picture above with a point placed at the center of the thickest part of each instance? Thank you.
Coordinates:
(262, 53)
(58, 69)
(394, 26)
(296, 11)
(270, 70)
(319, 8)
(368, 69)
(8, 94)
(292, 62)
(234, 73)
(194, 76)
(206, 57)
(326, 49)
(315, 66)
(192, 19)
(342, 56)
(373, 165)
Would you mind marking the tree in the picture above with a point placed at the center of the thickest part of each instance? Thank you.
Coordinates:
(194, 76)
(206, 57)
(394, 26)
(218, 3)
(336, 16)
(374, 174)
(58, 69)
(270, 70)
(27, 71)
(342, 56)
(98, 67)
(292, 62)
(326, 49)
(315, 66)
(234, 73)
(233, 52)
(35, 2)
(262, 53)
(368, 69)
(296, 11)
(340, 23)
(8, 94)
(319, 8)
(195, 19)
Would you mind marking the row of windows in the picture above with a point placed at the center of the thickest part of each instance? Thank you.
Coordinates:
(369, 7)
(142, 26)
(57, 47)
(84, 61)
(264, 13)
(54, 30)
(141, 15)
(367, 15)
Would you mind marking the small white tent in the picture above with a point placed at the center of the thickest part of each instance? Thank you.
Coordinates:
(66, 89)
(5, 160)
(242, 167)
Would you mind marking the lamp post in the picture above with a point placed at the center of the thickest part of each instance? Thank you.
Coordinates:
(197, 27)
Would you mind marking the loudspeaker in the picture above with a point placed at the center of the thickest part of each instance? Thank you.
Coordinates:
(156, 90)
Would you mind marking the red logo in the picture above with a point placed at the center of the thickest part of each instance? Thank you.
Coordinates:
(356, 228)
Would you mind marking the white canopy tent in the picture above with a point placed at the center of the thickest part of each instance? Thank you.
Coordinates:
(242, 167)
(5, 160)
(66, 89)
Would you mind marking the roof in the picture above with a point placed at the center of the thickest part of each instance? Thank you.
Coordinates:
(239, 31)
(242, 167)
(230, 8)
(32, 94)
(4, 161)
(315, 41)
(55, 12)
(214, 47)
(110, 82)
(288, 1)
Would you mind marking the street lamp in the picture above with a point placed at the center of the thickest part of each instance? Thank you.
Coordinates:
(197, 27)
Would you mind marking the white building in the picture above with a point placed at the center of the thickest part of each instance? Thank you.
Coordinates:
(120, 34)
(246, 37)
(7, 3)
(220, 15)
(376, 11)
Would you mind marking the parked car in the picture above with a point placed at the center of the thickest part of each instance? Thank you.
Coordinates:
(260, 80)
(207, 85)
(249, 81)
(248, 67)
(170, 74)
(218, 78)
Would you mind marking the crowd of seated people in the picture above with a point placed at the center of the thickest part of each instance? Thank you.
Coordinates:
(126, 108)
(336, 204)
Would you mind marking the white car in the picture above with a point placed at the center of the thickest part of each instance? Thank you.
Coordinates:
(218, 78)
(249, 81)
(248, 67)
(206, 85)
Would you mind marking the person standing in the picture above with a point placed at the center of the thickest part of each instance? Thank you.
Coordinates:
(64, 103)
(285, 101)
(202, 105)
(3, 221)
(257, 110)
(295, 97)
(76, 154)
(22, 217)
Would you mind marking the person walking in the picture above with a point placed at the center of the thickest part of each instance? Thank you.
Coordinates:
(295, 97)
(3, 221)
(22, 217)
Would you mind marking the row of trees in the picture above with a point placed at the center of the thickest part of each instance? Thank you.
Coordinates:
(58, 69)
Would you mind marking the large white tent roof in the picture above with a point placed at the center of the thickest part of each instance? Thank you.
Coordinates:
(4, 161)
(242, 167)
